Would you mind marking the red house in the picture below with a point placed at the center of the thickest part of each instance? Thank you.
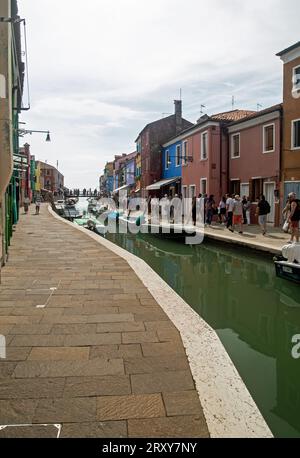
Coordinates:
(254, 158)
(206, 146)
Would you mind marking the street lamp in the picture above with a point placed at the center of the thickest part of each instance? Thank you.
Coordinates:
(23, 132)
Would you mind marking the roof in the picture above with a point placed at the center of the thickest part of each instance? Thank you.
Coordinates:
(287, 50)
(233, 115)
(257, 114)
(162, 121)
(227, 116)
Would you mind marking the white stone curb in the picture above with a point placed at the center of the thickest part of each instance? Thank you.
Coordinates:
(229, 409)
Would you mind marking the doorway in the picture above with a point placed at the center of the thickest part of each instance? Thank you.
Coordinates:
(269, 192)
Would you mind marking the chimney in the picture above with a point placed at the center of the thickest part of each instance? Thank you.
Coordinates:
(178, 116)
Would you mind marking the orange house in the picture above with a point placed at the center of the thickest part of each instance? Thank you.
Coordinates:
(290, 164)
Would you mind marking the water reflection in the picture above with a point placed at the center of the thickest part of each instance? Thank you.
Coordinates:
(255, 314)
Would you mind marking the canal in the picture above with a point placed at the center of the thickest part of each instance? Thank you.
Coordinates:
(254, 313)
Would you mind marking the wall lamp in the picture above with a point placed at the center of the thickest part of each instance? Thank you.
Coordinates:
(23, 132)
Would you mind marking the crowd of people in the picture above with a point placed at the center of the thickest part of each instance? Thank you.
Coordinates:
(234, 212)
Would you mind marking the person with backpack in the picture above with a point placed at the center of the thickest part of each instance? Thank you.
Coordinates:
(263, 209)
(294, 217)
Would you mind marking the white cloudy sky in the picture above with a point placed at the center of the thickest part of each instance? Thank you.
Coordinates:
(101, 69)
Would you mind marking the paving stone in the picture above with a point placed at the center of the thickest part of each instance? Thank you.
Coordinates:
(139, 337)
(92, 339)
(59, 354)
(65, 410)
(31, 388)
(159, 326)
(125, 407)
(111, 429)
(6, 368)
(50, 340)
(31, 369)
(162, 382)
(155, 364)
(97, 386)
(116, 351)
(29, 432)
(182, 403)
(61, 329)
(162, 349)
(17, 411)
(120, 327)
(168, 427)
(17, 354)
(37, 329)
(5, 328)
(20, 319)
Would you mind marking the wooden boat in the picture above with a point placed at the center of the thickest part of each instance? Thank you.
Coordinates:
(288, 265)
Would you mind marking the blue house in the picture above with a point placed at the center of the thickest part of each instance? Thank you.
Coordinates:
(172, 159)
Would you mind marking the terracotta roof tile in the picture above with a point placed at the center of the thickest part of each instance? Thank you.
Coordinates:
(233, 115)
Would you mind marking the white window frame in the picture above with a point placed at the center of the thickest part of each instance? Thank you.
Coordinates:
(167, 160)
(293, 122)
(245, 184)
(192, 186)
(203, 180)
(265, 151)
(296, 87)
(206, 146)
(184, 187)
(232, 143)
(185, 152)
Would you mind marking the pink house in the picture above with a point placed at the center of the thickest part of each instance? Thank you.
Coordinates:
(254, 158)
(206, 146)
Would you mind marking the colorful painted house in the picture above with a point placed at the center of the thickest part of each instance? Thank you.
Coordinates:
(254, 159)
(149, 145)
(172, 160)
(205, 145)
(291, 121)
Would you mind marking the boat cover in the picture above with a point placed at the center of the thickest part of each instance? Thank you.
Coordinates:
(292, 252)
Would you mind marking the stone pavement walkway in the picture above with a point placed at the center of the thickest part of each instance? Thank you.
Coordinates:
(88, 347)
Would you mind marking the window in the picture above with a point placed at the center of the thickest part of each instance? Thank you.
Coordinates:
(244, 189)
(204, 145)
(235, 146)
(167, 159)
(185, 153)
(269, 138)
(178, 154)
(296, 80)
(235, 187)
(203, 186)
(296, 134)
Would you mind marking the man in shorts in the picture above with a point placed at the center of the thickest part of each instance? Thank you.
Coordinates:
(237, 214)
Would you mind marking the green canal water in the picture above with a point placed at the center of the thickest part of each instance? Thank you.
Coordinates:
(254, 313)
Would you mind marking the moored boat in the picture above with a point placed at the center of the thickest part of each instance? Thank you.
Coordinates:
(288, 265)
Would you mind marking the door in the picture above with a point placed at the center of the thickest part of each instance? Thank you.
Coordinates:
(269, 189)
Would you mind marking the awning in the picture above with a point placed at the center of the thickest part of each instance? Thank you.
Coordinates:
(121, 188)
(162, 183)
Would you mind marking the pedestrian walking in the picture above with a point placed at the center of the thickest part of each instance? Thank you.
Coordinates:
(38, 201)
(263, 209)
(294, 217)
(247, 204)
(229, 208)
(210, 209)
(237, 214)
(26, 204)
(222, 210)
